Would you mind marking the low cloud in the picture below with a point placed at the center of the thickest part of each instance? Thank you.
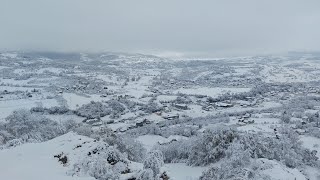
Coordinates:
(167, 27)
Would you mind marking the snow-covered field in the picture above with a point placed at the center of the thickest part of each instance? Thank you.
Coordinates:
(133, 116)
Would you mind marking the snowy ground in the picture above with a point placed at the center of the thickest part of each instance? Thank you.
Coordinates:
(36, 160)
(140, 91)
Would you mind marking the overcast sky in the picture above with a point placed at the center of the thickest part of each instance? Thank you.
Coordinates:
(166, 27)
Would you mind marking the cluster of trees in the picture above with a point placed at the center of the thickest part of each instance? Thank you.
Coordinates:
(301, 112)
(164, 130)
(237, 150)
(152, 166)
(203, 149)
(130, 105)
(147, 129)
(111, 157)
(127, 145)
(102, 162)
(150, 107)
(51, 110)
(23, 126)
(93, 110)
(116, 106)
(212, 146)
(300, 104)
(182, 99)
(241, 159)
(257, 90)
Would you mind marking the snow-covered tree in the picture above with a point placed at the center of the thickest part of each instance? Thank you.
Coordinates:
(103, 162)
(93, 110)
(154, 161)
(285, 116)
(212, 145)
(177, 151)
(116, 106)
(129, 146)
(27, 126)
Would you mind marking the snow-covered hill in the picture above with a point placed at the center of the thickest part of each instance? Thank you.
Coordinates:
(153, 117)
(34, 161)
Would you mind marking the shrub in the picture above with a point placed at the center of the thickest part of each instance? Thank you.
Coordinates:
(176, 151)
(285, 117)
(127, 145)
(151, 107)
(58, 110)
(286, 148)
(154, 161)
(93, 110)
(145, 174)
(212, 145)
(116, 106)
(102, 162)
(239, 160)
(222, 173)
(23, 125)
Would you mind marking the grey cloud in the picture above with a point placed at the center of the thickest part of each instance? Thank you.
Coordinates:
(206, 27)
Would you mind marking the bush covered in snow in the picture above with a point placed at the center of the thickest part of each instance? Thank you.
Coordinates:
(131, 105)
(132, 148)
(145, 174)
(203, 149)
(125, 144)
(314, 131)
(103, 162)
(285, 148)
(51, 110)
(150, 107)
(58, 110)
(225, 173)
(212, 145)
(285, 117)
(154, 161)
(177, 151)
(24, 125)
(238, 162)
(182, 130)
(227, 143)
(116, 106)
(147, 129)
(84, 130)
(93, 110)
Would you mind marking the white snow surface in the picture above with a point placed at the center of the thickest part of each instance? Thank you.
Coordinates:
(75, 101)
(35, 161)
(180, 171)
(277, 171)
(149, 141)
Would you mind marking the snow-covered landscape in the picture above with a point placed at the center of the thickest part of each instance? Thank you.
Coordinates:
(139, 117)
(159, 90)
